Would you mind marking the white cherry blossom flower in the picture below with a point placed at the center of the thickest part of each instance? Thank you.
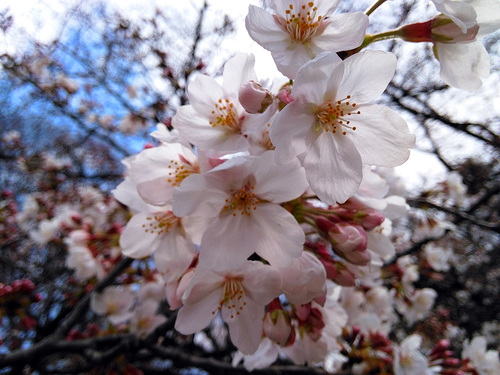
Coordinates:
(299, 30)
(163, 234)
(157, 171)
(145, 318)
(486, 362)
(409, 361)
(421, 303)
(243, 197)
(83, 262)
(215, 119)
(115, 302)
(373, 192)
(331, 127)
(437, 257)
(240, 296)
(465, 64)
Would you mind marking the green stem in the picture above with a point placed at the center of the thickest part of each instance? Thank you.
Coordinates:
(369, 39)
(374, 6)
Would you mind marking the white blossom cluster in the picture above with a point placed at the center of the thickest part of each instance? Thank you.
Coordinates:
(272, 210)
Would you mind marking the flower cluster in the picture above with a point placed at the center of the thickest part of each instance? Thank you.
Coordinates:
(270, 209)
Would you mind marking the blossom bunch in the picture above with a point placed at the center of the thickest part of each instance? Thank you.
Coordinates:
(268, 208)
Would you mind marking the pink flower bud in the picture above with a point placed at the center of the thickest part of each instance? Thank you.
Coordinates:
(347, 238)
(369, 218)
(344, 276)
(254, 98)
(452, 362)
(285, 95)
(302, 311)
(439, 29)
(277, 326)
(444, 30)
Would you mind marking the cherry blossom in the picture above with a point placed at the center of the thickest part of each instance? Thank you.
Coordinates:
(240, 295)
(409, 361)
(331, 127)
(486, 362)
(115, 302)
(145, 318)
(243, 197)
(465, 64)
(83, 262)
(215, 119)
(300, 30)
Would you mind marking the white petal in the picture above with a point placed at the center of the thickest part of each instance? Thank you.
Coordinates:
(174, 256)
(344, 31)
(333, 168)
(204, 92)
(193, 317)
(293, 131)
(318, 77)
(270, 231)
(488, 15)
(366, 75)
(246, 330)
(126, 193)
(135, 241)
(382, 136)
(463, 64)
(238, 71)
(282, 237)
(228, 242)
(196, 128)
(157, 192)
(195, 196)
(278, 183)
(264, 29)
(201, 300)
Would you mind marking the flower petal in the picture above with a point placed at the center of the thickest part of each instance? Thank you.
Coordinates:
(333, 168)
(270, 231)
(344, 31)
(278, 183)
(238, 71)
(382, 136)
(463, 64)
(188, 199)
(292, 131)
(366, 75)
(317, 77)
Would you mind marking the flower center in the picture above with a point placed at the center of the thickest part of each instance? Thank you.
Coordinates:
(225, 116)
(161, 223)
(181, 170)
(244, 200)
(333, 115)
(233, 296)
(303, 25)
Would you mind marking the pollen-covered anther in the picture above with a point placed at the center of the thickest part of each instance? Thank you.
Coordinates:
(332, 116)
(225, 116)
(243, 201)
(181, 170)
(160, 223)
(302, 25)
(233, 297)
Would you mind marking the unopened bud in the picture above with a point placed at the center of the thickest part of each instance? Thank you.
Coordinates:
(444, 30)
(440, 29)
(277, 326)
(285, 95)
(254, 98)
(347, 238)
